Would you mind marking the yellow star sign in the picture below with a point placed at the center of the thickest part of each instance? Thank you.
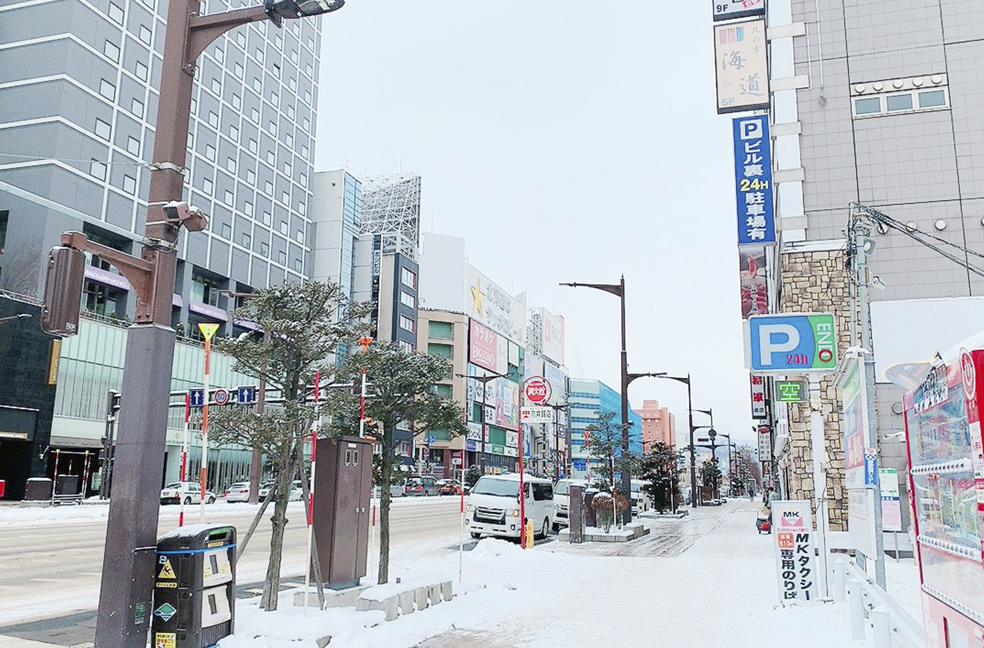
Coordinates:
(478, 296)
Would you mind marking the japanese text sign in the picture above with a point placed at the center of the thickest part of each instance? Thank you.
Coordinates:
(741, 66)
(758, 397)
(728, 9)
(753, 181)
(790, 391)
(792, 526)
(482, 347)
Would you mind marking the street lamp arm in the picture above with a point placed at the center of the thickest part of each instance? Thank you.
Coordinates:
(615, 289)
(202, 30)
(632, 376)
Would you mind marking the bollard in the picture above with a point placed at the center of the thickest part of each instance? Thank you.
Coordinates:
(840, 566)
(856, 601)
(882, 628)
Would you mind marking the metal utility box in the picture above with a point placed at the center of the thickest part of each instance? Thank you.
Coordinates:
(575, 515)
(342, 486)
(194, 579)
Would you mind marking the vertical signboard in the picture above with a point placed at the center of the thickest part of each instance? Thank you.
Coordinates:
(753, 181)
(728, 9)
(888, 480)
(765, 443)
(741, 66)
(752, 276)
(792, 527)
(758, 397)
(483, 346)
(855, 403)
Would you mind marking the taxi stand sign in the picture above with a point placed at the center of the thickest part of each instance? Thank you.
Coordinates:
(791, 343)
(792, 528)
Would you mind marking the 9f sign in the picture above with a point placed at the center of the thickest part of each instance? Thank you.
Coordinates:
(792, 344)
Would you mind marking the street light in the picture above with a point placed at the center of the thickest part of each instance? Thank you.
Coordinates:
(690, 423)
(128, 571)
(18, 316)
(483, 380)
(619, 291)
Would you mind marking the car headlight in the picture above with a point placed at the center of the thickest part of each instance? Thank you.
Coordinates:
(467, 508)
(515, 513)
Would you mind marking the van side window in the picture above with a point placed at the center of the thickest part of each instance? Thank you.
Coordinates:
(542, 492)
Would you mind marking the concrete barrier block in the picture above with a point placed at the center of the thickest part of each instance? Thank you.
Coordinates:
(447, 590)
(377, 600)
(406, 602)
(333, 598)
(434, 593)
(420, 597)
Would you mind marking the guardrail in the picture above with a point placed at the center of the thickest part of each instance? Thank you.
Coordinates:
(891, 624)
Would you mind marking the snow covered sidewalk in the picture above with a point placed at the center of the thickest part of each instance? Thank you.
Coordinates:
(721, 591)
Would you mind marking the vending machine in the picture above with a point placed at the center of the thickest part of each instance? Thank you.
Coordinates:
(946, 493)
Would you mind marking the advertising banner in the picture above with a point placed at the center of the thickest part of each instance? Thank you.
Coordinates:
(753, 181)
(486, 302)
(758, 397)
(792, 527)
(888, 478)
(791, 343)
(855, 423)
(751, 273)
(765, 443)
(553, 336)
(741, 66)
(729, 9)
(558, 382)
(483, 346)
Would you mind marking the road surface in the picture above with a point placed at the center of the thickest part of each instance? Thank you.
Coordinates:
(54, 569)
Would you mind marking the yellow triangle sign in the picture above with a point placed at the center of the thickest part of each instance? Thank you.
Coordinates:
(208, 330)
(167, 571)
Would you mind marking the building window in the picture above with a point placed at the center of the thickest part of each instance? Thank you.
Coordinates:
(230, 165)
(265, 249)
(283, 227)
(4, 215)
(248, 208)
(238, 71)
(298, 266)
(213, 119)
(932, 99)
(107, 89)
(97, 169)
(246, 241)
(228, 199)
(895, 103)
(254, 116)
(216, 86)
(115, 14)
(112, 52)
(137, 107)
(237, 101)
(282, 258)
(129, 184)
(250, 176)
(299, 236)
(251, 146)
(896, 96)
(268, 189)
(207, 186)
(440, 330)
(440, 350)
(204, 290)
(266, 218)
(210, 153)
(102, 129)
(288, 138)
(406, 346)
(140, 70)
(144, 35)
(407, 299)
(408, 278)
(233, 133)
(226, 230)
(133, 146)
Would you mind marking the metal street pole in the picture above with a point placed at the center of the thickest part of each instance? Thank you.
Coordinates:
(619, 291)
(129, 559)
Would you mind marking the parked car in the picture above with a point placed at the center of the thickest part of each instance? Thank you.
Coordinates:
(421, 485)
(493, 506)
(449, 486)
(238, 492)
(296, 490)
(187, 492)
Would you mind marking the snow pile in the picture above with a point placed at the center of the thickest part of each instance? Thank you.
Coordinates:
(720, 592)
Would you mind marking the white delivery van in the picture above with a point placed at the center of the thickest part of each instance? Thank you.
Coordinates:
(641, 500)
(562, 497)
(492, 506)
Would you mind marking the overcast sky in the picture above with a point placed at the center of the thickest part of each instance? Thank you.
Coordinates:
(564, 141)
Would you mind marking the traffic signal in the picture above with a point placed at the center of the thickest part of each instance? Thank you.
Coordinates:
(113, 405)
(63, 291)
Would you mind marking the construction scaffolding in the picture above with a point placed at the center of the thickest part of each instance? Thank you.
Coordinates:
(391, 209)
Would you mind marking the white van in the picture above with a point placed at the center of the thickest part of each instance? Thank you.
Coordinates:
(562, 497)
(493, 505)
(641, 500)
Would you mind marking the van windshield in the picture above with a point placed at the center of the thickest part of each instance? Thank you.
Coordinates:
(496, 487)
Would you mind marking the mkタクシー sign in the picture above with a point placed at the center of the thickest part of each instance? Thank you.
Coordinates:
(753, 181)
(792, 527)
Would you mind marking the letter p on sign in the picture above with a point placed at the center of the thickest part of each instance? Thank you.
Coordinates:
(776, 338)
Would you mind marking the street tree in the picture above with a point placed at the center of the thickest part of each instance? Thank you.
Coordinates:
(303, 326)
(401, 394)
(659, 467)
(710, 477)
(605, 448)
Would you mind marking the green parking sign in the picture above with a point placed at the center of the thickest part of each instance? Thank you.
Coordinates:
(790, 391)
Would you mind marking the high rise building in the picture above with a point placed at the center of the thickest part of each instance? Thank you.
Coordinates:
(588, 398)
(658, 425)
(78, 107)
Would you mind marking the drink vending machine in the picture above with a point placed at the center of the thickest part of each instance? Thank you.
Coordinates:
(946, 493)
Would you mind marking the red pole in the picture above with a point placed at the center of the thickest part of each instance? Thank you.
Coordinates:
(184, 456)
(522, 493)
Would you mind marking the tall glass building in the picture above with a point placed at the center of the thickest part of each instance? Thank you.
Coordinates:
(587, 398)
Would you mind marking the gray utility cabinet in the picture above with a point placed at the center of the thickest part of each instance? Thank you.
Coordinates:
(342, 486)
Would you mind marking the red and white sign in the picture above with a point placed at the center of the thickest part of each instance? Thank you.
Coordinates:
(537, 390)
(482, 346)
(792, 527)
(758, 397)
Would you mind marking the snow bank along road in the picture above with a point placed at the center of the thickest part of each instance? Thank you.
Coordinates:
(50, 559)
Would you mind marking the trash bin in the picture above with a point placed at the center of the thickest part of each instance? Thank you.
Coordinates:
(37, 489)
(195, 575)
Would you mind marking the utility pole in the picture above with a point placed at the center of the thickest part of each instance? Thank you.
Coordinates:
(861, 239)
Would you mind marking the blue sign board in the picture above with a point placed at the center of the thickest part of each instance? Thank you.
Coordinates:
(579, 464)
(753, 181)
(245, 395)
(431, 439)
(792, 343)
(870, 468)
(196, 397)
